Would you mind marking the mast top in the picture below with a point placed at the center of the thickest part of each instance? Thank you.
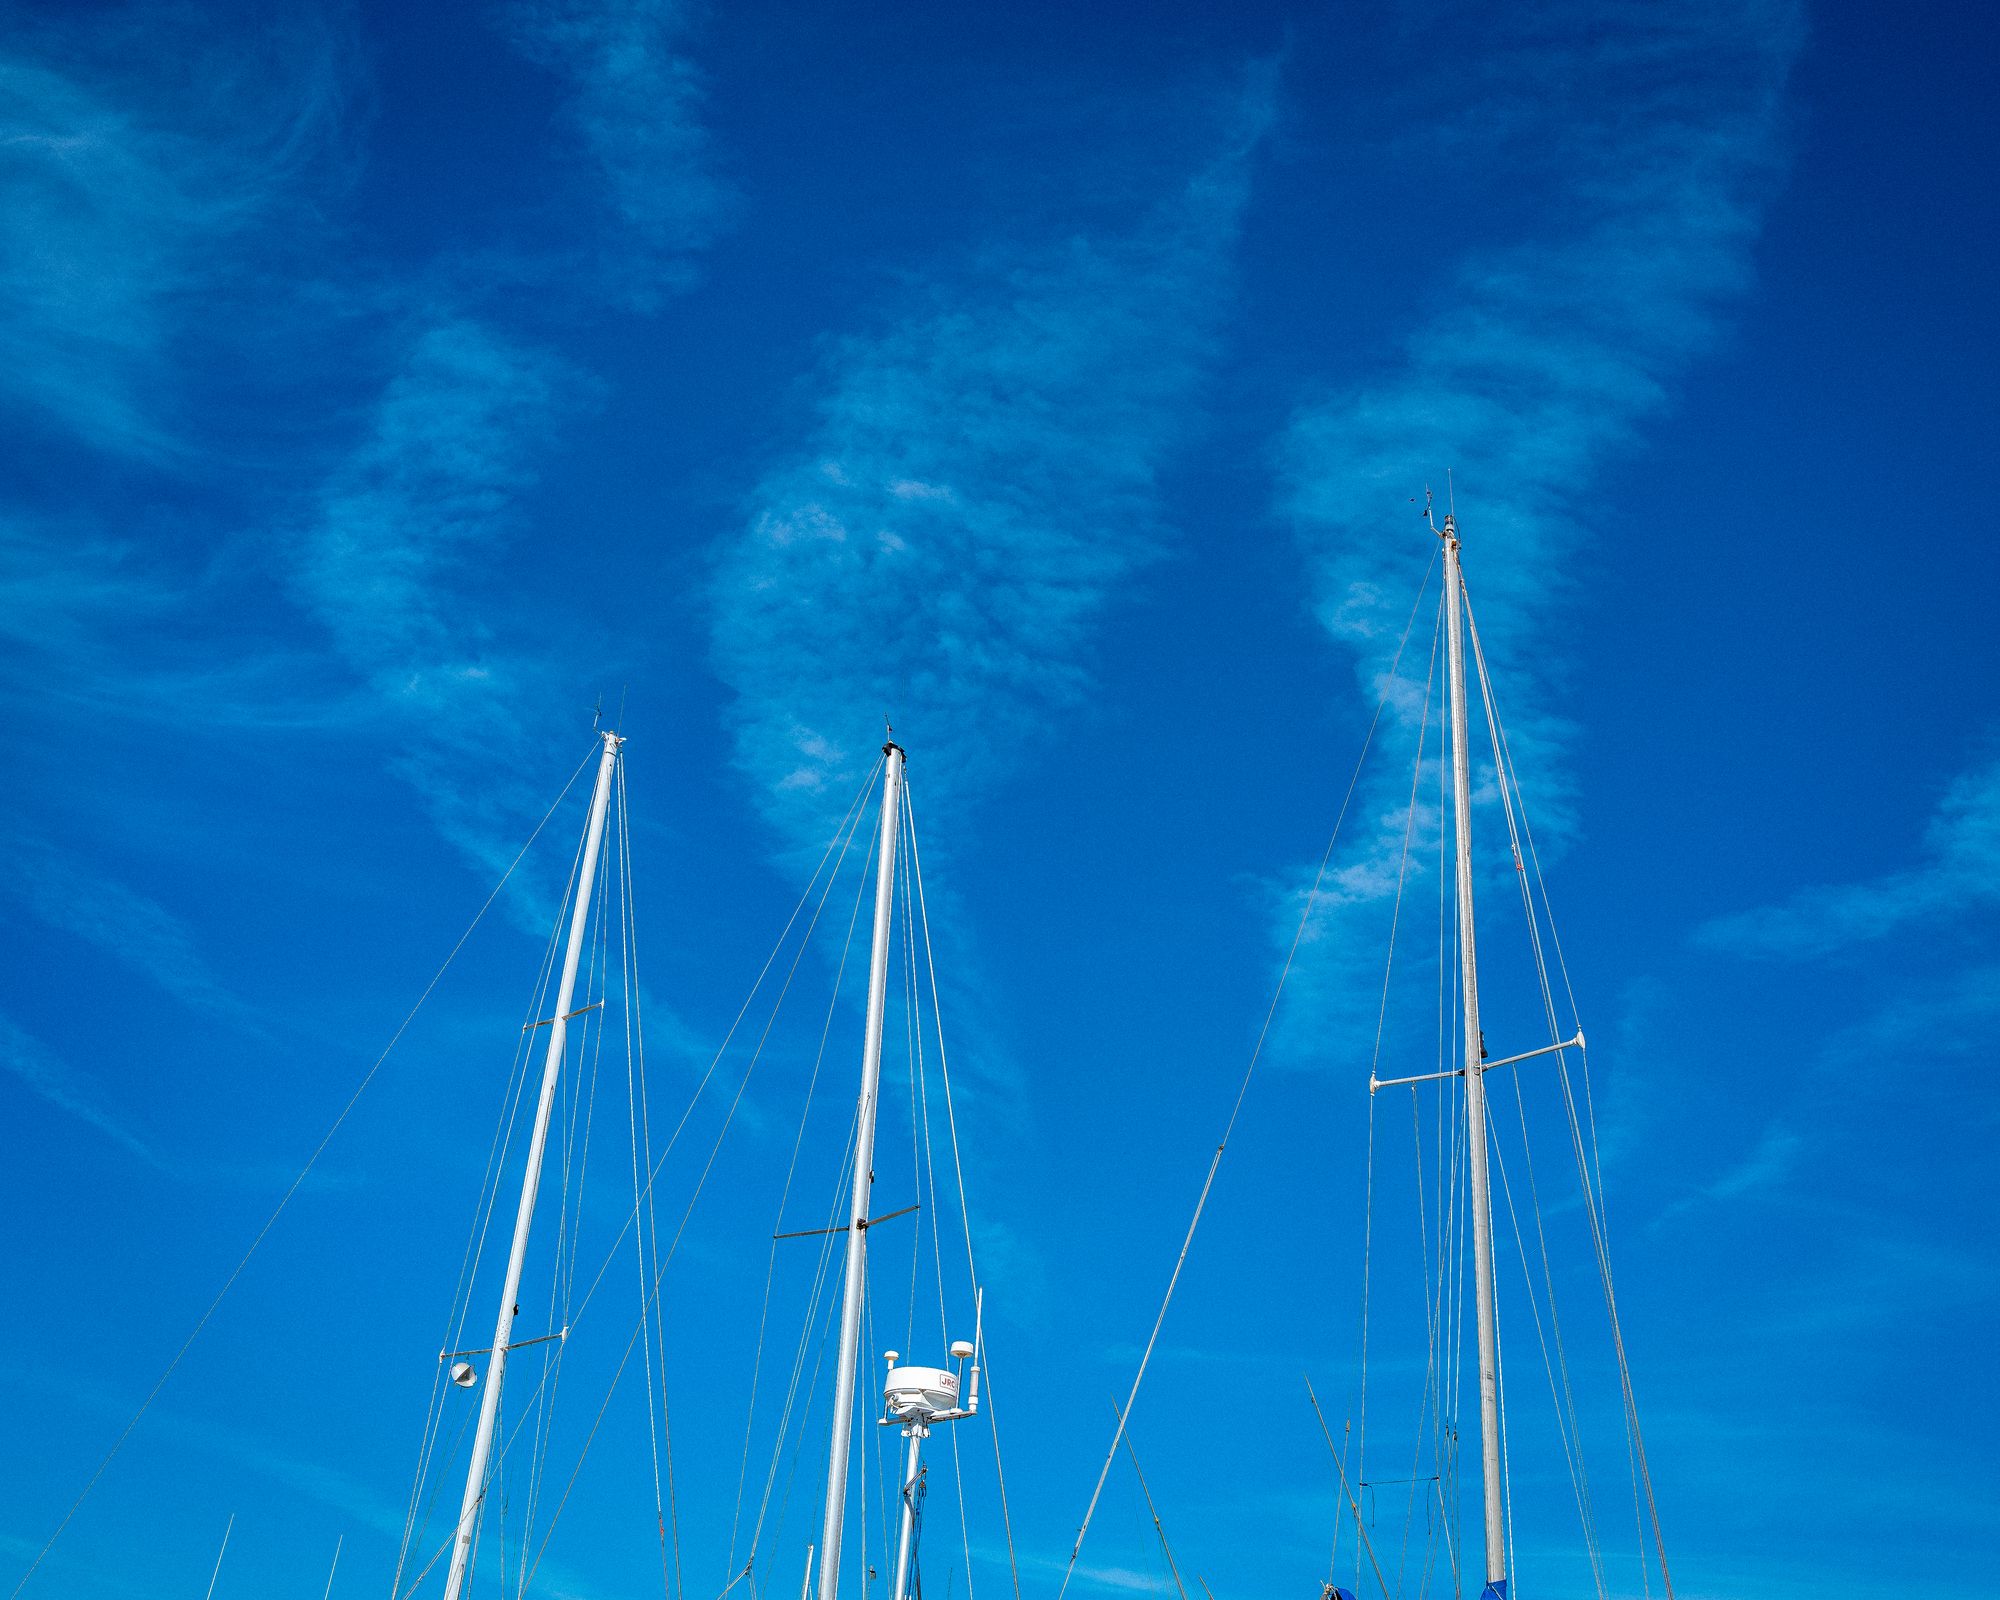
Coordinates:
(1449, 532)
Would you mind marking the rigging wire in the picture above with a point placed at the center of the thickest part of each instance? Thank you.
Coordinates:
(1453, 1013)
(1592, 1171)
(701, 1182)
(980, 1356)
(1572, 1442)
(1367, 1285)
(1159, 1527)
(834, 846)
(1360, 1527)
(822, 1285)
(929, 1169)
(1585, 1148)
(1452, 1113)
(1243, 1089)
(859, 1553)
(633, 1217)
(646, 1240)
(512, 1090)
(1440, 1301)
(1506, 1460)
(838, 843)
(1588, 1172)
(1375, 1062)
(297, 1182)
(770, 1270)
(539, 1408)
(1561, 1390)
(582, 1096)
(914, 1069)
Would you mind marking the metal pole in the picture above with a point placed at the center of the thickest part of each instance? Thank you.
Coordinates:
(907, 1532)
(228, 1529)
(1475, 1080)
(503, 1327)
(330, 1571)
(864, 1178)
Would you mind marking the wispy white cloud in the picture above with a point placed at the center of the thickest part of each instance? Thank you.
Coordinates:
(133, 203)
(636, 104)
(78, 1093)
(1543, 358)
(1941, 1015)
(1883, 1277)
(355, 1500)
(137, 204)
(66, 596)
(1661, 132)
(127, 194)
(1766, 1166)
(359, 1501)
(105, 628)
(66, 894)
(1959, 872)
(117, 630)
(408, 527)
(102, 1578)
(1333, 992)
(60, 595)
(45, 1074)
(427, 489)
(1122, 1580)
(1101, 1575)
(979, 482)
(395, 562)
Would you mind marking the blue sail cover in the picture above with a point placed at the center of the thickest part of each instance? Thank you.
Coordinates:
(1496, 1590)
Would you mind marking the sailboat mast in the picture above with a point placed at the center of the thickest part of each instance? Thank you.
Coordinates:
(864, 1178)
(558, 1026)
(1475, 1082)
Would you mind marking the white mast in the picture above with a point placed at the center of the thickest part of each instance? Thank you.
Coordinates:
(864, 1178)
(503, 1327)
(915, 1433)
(919, 1398)
(1475, 1083)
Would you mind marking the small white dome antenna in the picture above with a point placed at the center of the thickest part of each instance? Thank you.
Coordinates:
(917, 1399)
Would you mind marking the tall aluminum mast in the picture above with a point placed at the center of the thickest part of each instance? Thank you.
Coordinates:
(1475, 1084)
(503, 1327)
(864, 1179)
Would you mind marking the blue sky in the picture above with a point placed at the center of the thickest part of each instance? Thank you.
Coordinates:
(386, 387)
